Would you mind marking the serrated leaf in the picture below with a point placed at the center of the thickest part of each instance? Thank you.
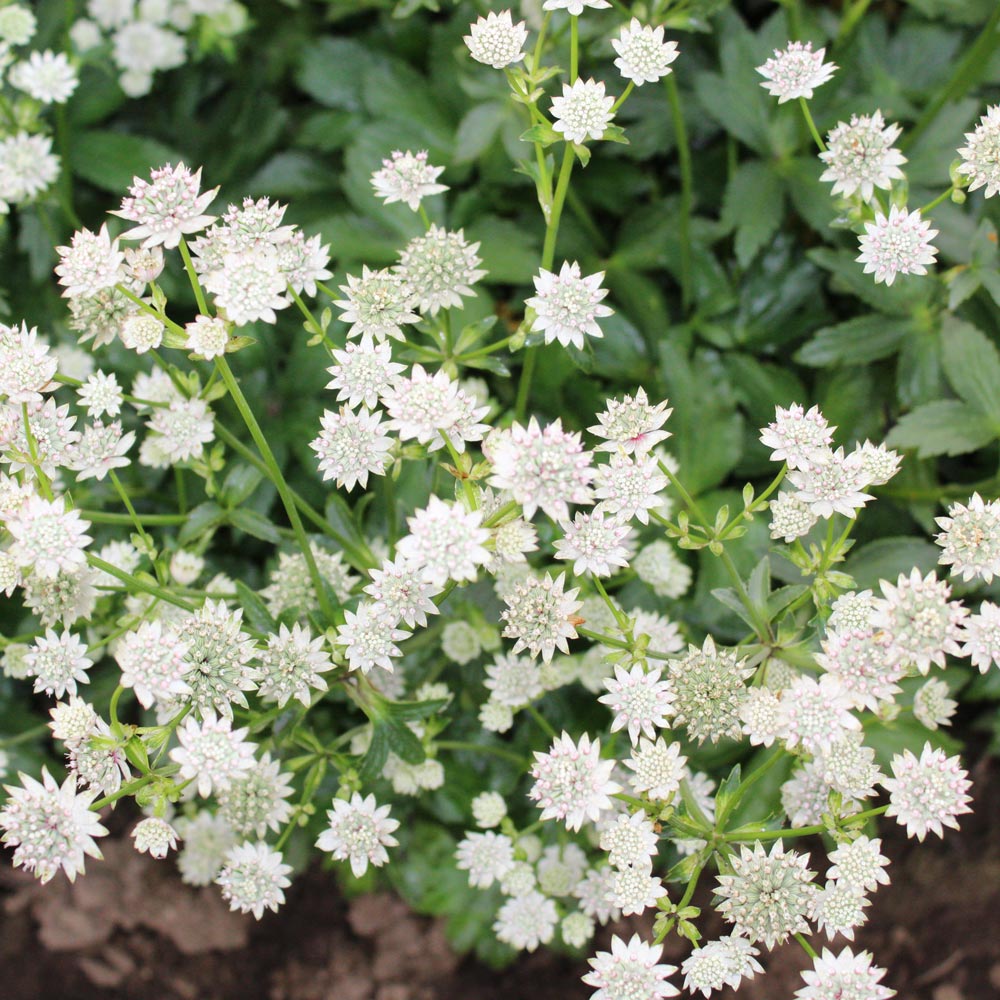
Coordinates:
(407, 711)
(752, 206)
(254, 523)
(111, 160)
(374, 759)
(944, 427)
(205, 516)
(255, 609)
(855, 342)
(972, 365)
(404, 743)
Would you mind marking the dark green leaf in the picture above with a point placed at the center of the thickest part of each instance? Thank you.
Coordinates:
(944, 427)
(111, 160)
(972, 364)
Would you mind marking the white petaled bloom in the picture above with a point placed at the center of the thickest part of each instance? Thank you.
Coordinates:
(212, 753)
(859, 660)
(572, 783)
(141, 333)
(567, 305)
(560, 869)
(291, 666)
(439, 268)
(144, 265)
(100, 395)
(364, 371)
(899, 244)
(398, 595)
(840, 908)
(923, 624)
(971, 539)
(207, 337)
(631, 425)
(526, 921)
(304, 262)
(658, 768)
(407, 177)
(155, 837)
(99, 761)
(832, 484)
(860, 156)
(542, 467)
(981, 154)
(101, 448)
(359, 832)
(11, 579)
(253, 878)
(636, 889)
(843, 977)
(848, 767)
(594, 544)
(709, 691)
(851, 612)
(17, 24)
(630, 970)
(760, 715)
(928, 792)
(291, 587)
(487, 857)
(594, 892)
(630, 840)
(153, 662)
(658, 565)
(859, 864)
(521, 877)
(167, 207)
(27, 167)
(369, 640)
(48, 538)
(90, 264)
(255, 803)
(629, 486)
(489, 809)
(460, 642)
(207, 838)
(814, 714)
(26, 367)
(582, 112)
(445, 542)
(378, 304)
(50, 826)
(878, 463)
(575, 7)
(514, 681)
(351, 447)
(931, 705)
(496, 41)
(46, 76)
(980, 637)
(72, 721)
(183, 428)
(640, 701)
(540, 616)
(795, 71)
(58, 663)
(643, 55)
(250, 285)
(768, 896)
(797, 436)
(577, 929)
(725, 962)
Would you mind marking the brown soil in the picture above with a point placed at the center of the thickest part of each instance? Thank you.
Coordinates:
(130, 930)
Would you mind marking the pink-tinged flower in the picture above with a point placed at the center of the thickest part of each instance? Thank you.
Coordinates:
(572, 783)
(630, 969)
(795, 71)
(359, 832)
(899, 244)
(407, 177)
(567, 305)
(928, 792)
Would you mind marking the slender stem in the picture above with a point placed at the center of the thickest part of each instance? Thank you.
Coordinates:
(199, 295)
(150, 311)
(849, 21)
(134, 583)
(621, 100)
(574, 48)
(514, 758)
(311, 319)
(103, 517)
(123, 493)
(274, 473)
(425, 218)
(43, 480)
(543, 723)
(937, 201)
(806, 946)
(813, 131)
(113, 707)
(687, 190)
(127, 789)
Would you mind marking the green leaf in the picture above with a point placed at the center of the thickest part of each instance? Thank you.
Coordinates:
(886, 558)
(111, 160)
(256, 610)
(291, 174)
(902, 298)
(240, 482)
(204, 517)
(330, 72)
(855, 342)
(509, 253)
(972, 364)
(374, 759)
(478, 129)
(752, 206)
(944, 427)
(255, 524)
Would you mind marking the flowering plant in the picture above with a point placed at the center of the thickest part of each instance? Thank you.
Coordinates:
(255, 716)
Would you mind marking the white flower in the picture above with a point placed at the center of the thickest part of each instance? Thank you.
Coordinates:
(48, 538)
(659, 768)
(58, 663)
(460, 642)
(575, 7)
(487, 857)
(797, 437)
(594, 544)
(291, 665)
(27, 167)
(795, 71)
(351, 446)
(931, 705)
(567, 305)
(843, 977)
(212, 753)
(399, 595)
(50, 826)
(583, 111)
(101, 448)
(860, 156)
(630, 840)
(369, 640)
(377, 304)
(155, 837)
(72, 721)
(971, 539)
(631, 425)
(981, 154)
(47, 76)
(439, 268)
(252, 879)
(496, 41)
(183, 428)
(980, 636)
(167, 207)
(814, 714)
(256, 802)
(899, 244)
(140, 48)
(630, 970)
(629, 486)
(407, 177)
(636, 888)
(927, 793)
(526, 921)
(100, 395)
(851, 612)
(860, 660)
(489, 809)
(514, 681)
(572, 783)
(859, 864)
(207, 838)
(153, 661)
(91, 263)
(658, 565)
(26, 367)
(363, 372)
(840, 908)
(832, 483)
(445, 542)
(540, 616)
(207, 337)
(249, 285)
(640, 701)
(17, 24)
(725, 962)
(359, 832)
(878, 463)
(643, 55)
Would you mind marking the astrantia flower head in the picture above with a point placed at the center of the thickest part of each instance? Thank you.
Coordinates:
(445, 542)
(46, 76)
(359, 832)
(257, 801)
(847, 766)
(378, 304)
(572, 783)
(207, 337)
(630, 840)
(567, 305)
(155, 837)
(659, 565)
(795, 71)
(575, 7)
(643, 55)
(183, 428)
(252, 879)
(399, 595)
(352, 446)
(153, 661)
(100, 395)
(514, 680)
(291, 666)
(769, 895)
(101, 448)
(981, 154)
(629, 486)
(899, 244)
(407, 177)
(840, 908)
(72, 721)
(971, 539)
(90, 264)
(212, 753)
(369, 640)
(635, 888)
(583, 111)
(640, 701)
(931, 705)
(48, 538)
(658, 766)
(860, 156)
(27, 167)
(496, 41)
(363, 372)
(167, 207)
(631, 424)
(928, 792)
(832, 483)
(26, 367)
(981, 636)
(249, 285)
(878, 463)
(207, 838)
(725, 962)
(50, 826)
(487, 857)
(859, 660)
(843, 977)
(797, 436)
(439, 268)
(540, 616)
(629, 970)
(859, 864)
(526, 921)
(594, 543)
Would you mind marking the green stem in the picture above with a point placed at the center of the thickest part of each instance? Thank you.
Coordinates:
(806, 946)
(813, 131)
(113, 707)
(150, 311)
(574, 48)
(274, 473)
(129, 788)
(134, 583)
(199, 295)
(43, 480)
(134, 517)
(850, 19)
(621, 100)
(514, 758)
(687, 190)
(543, 723)
(937, 201)
(103, 517)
